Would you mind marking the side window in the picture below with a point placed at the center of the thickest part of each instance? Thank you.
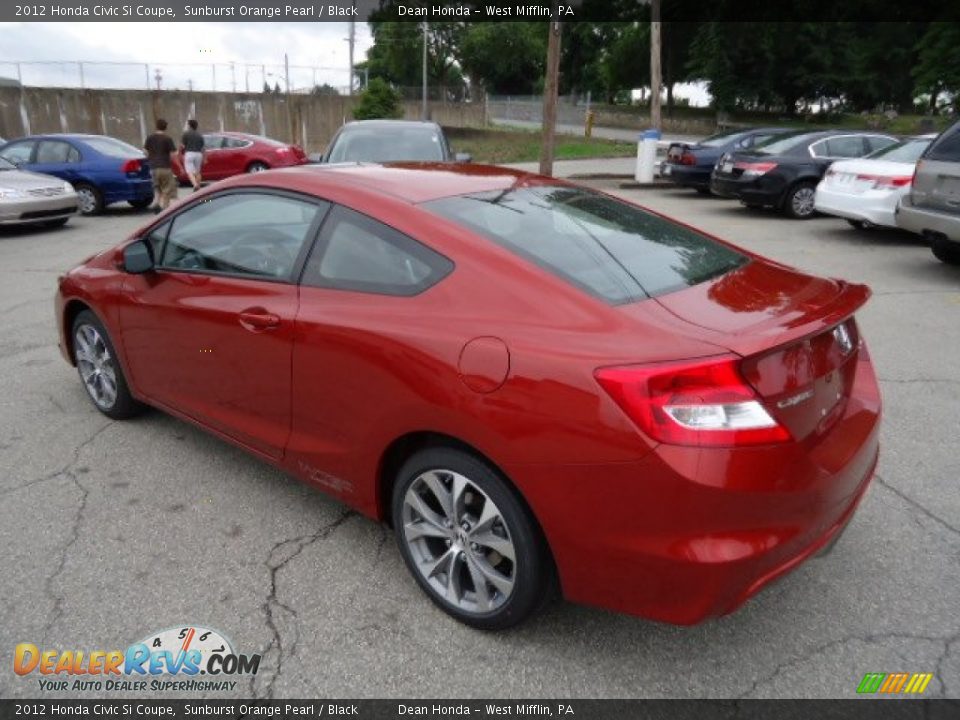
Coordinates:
(18, 153)
(212, 142)
(246, 233)
(877, 142)
(56, 151)
(234, 143)
(155, 239)
(947, 146)
(819, 149)
(355, 252)
(847, 146)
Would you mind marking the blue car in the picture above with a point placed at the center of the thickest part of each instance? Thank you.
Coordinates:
(690, 165)
(102, 169)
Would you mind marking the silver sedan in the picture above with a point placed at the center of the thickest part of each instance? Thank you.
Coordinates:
(27, 197)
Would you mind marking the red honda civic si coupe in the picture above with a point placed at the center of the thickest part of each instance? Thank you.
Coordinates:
(536, 384)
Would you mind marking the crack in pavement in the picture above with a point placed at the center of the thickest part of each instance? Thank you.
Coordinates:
(917, 505)
(48, 584)
(909, 381)
(868, 638)
(285, 551)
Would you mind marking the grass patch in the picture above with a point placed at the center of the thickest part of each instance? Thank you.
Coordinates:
(512, 146)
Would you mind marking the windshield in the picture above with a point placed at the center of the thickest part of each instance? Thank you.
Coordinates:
(608, 248)
(783, 143)
(907, 151)
(113, 148)
(6, 165)
(388, 145)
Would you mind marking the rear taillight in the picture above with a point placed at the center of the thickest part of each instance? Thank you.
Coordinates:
(755, 168)
(703, 403)
(885, 182)
(283, 151)
(130, 166)
(916, 169)
(688, 158)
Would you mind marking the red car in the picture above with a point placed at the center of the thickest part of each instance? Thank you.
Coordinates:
(536, 384)
(231, 153)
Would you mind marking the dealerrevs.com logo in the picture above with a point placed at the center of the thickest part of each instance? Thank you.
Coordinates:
(171, 659)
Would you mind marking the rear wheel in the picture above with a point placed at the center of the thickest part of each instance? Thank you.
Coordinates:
(799, 201)
(100, 370)
(89, 198)
(256, 167)
(945, 251)
(468, 540)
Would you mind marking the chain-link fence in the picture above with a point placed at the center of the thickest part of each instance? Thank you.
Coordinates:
(200, 77)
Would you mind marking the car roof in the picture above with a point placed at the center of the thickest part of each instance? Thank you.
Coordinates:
(412, 182)
(414, 124)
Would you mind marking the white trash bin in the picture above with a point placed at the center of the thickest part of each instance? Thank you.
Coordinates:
(647, 143)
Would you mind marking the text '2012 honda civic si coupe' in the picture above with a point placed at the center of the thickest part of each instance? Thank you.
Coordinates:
(539, 386)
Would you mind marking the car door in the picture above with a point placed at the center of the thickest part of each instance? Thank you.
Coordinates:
(235, 155)
(209, 332)
(363, 290)
(58, 158)
(936, 182)
(213, 157)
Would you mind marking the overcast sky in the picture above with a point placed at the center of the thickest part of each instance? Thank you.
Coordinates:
(173, 47)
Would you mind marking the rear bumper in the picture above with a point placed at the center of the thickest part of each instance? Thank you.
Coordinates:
(685, 534)
(124, 191)
(877, 207)
(686, 175)
(924, 220)
(765, 190)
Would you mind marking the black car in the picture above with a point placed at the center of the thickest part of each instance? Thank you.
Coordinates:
(690, 165)
(390, 141)
(783, 172)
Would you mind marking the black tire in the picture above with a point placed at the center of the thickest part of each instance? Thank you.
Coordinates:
(140, 203)
(861, 224)
(59, 222)
(257, 166)
(93, 205)
(945, 251)
(532, 571)
(703, 190)
(123, 405)
(798, 201)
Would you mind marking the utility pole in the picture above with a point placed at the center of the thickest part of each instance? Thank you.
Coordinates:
(233, 76)
(423, 110)
(656, 79)
(246, 76)
(146, 70)
(80, 65)
(550, 90)
(286, 70)
(213, 67)
(352, 40)
(158, 76)
(190, 84)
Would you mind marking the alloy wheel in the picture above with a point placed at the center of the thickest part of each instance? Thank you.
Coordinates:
(87, 199)
(802, 201)
(459, 541)
(95, 364)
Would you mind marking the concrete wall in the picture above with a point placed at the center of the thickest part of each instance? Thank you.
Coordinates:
(129, 114)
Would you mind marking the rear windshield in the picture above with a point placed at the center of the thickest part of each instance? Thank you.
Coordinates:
(612, 250)
(781, 144)
(947, 146)
(113, 148)
(907, 151)
(721, 138)
(388, 145)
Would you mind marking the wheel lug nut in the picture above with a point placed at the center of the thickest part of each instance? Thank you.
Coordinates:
(474, 547)
(465, 525)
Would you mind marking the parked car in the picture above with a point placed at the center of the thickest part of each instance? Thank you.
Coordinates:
(102, 169)
(31, 198)
(932, 207)
(232, 153)
(383, 141)
(525, 377)
(690, 165)
(783, 172)
(865, 192)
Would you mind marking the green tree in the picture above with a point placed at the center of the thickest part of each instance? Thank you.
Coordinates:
(378, 100)
(505, 58)
(938, 64)
(325, 89)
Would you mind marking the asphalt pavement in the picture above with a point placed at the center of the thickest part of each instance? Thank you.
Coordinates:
(115, 530)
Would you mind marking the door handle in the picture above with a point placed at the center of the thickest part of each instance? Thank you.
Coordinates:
(257, 319)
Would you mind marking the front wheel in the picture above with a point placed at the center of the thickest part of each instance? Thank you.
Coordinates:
(799, 202)
(100, 370)
(468, 540)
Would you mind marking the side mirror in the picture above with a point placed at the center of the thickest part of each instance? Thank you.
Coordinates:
(137, 258)
(463, 157)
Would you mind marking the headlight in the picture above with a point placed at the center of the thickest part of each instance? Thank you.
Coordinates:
(11, 194)
(67, 187)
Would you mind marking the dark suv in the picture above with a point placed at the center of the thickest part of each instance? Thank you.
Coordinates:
(932, 207)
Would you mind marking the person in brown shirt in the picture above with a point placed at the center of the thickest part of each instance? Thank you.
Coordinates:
(160, 149)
